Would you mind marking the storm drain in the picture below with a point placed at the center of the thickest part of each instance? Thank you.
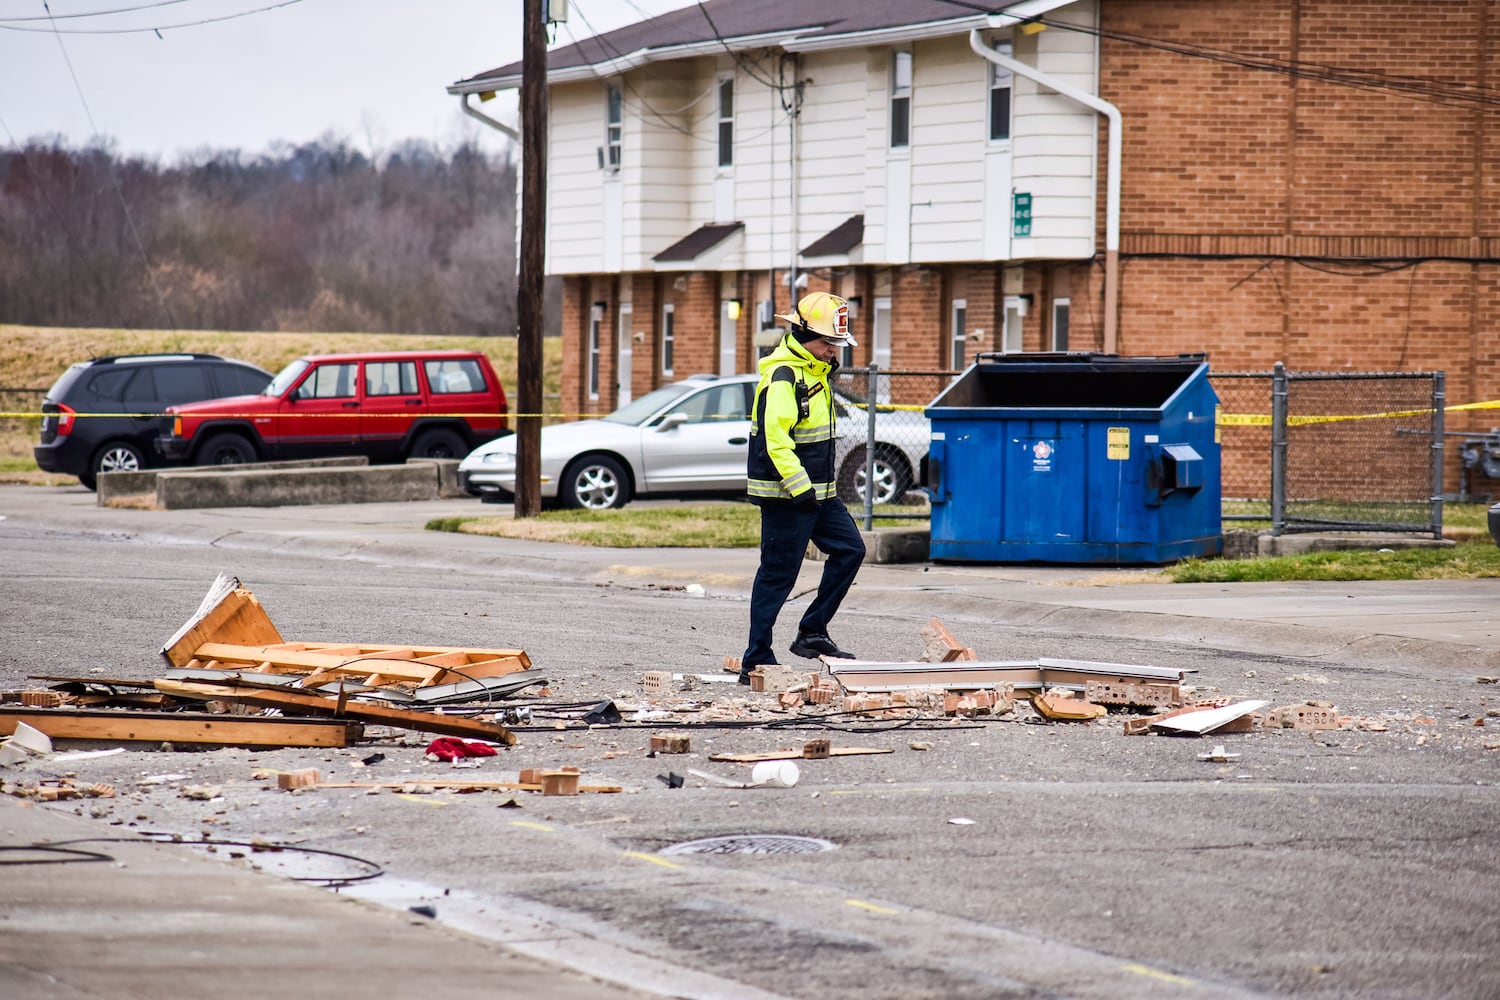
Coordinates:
(752, 843)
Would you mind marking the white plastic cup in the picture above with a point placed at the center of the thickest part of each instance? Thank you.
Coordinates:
(775, 774)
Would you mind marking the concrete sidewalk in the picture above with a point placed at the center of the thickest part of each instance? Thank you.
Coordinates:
(142, 919)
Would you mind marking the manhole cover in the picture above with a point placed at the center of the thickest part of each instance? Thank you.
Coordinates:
(751, 843)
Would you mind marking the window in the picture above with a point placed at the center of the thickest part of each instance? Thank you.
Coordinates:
(1059, 324)
(614, 129)
(900, 100)
(390, 378)
(596, 321)
(960, 335)
(720, 404)
(1000, 81)
(726, 123)
(446, 377)
(329, 382)
(668, 333)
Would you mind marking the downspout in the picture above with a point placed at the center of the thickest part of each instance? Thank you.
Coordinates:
(475, 113)
(1112, 179)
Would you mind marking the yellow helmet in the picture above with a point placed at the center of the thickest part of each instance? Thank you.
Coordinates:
(822, 314)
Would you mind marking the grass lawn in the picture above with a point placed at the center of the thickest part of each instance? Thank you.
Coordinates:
(718, 526)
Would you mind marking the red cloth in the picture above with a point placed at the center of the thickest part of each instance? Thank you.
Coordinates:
(449, 748)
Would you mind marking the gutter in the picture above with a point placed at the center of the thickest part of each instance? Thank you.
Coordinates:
(1112, 181)
(475, 113)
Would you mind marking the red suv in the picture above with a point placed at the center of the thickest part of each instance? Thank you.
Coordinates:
(390, 407)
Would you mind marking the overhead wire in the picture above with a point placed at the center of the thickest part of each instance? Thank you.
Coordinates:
(1417, 88)
(94, 13)
(114, 179)
(156, 29)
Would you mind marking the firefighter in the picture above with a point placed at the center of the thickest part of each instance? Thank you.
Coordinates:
(791, 478)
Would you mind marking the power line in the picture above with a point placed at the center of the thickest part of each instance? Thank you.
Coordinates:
(114, 180)
(95, 13)
(1416, 88)
(157, 29)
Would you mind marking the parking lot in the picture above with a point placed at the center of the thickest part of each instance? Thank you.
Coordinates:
(1341, 863)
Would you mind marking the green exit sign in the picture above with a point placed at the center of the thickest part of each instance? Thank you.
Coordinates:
(1021, 213)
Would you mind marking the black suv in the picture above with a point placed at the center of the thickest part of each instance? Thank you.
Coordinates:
(129, 391)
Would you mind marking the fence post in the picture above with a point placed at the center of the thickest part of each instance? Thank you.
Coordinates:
(1439, 402)
(870, 393)
(1278, 447)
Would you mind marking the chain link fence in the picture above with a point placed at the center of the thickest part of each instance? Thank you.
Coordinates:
(1333, 451)
(1304, 451)
(885, 443)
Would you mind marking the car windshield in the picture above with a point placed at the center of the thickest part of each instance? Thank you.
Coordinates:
(638, 410)
(284, 378)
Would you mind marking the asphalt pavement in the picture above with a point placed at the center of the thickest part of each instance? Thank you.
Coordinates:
(138, 919)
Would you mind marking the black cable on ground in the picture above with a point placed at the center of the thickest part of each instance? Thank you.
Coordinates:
(332, 880)
(71, 856)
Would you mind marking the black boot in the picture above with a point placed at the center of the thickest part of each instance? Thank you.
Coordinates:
(813, 645)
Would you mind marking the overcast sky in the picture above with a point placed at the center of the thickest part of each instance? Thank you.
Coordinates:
(370, 72)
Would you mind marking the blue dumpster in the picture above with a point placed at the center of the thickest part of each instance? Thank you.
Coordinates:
(1075, 458)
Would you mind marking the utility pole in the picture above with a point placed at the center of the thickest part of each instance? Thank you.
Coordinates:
(528, 499)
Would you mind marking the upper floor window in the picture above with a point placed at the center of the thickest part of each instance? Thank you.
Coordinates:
(726, 123)
(1000, 85)
(900, 100)
(614, 128)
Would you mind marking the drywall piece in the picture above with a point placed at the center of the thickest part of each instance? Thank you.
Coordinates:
(1206, 720)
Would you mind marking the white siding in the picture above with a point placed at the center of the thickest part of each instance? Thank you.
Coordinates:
(950, 92)
(844, 162)
(575, 200)
(830, 136)
(1055, 142)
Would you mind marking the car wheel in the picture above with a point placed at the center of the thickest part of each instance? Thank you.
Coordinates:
(594, 483)
(117, 456)
(226, 449)
(892, 476)
(438, 443)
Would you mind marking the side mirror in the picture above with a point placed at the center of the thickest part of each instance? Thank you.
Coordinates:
(672, 420)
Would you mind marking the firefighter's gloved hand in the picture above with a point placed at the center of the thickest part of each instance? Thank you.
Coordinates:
(807, 500)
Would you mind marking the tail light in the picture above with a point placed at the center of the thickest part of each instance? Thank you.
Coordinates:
(65, 415)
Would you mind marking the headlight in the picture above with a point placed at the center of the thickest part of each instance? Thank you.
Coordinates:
(499, 460)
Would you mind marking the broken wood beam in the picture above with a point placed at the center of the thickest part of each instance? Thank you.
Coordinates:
(298, 702)
(178, 727)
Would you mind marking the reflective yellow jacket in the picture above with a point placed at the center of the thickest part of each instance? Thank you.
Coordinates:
(791, 445)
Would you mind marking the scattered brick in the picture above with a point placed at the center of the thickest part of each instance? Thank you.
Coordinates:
(671, 744)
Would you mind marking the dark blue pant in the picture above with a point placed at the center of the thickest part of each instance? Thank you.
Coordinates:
(784, 534)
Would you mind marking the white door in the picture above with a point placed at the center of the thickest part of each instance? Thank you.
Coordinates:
(727, 331)
(880, 348)
(1015, 310)
(622, 371)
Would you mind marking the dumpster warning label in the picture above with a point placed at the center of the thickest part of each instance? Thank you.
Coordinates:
(1117, 445)
(1041, 456)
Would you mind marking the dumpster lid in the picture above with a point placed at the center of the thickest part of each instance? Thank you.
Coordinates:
(1073, 380)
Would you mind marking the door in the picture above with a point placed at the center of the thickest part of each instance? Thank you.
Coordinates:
(623, 394)
(320, 415)
(701, 443)
(880, 347)
(392, 398)
(728, 327)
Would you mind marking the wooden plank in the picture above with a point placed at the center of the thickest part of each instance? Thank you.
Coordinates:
(755, 758)
(177, 727)
(301, 702)
(517, 786)
(237, 618)
(426, 668)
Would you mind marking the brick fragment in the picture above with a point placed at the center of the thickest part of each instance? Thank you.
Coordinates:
(671, 743)
(288, 780)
